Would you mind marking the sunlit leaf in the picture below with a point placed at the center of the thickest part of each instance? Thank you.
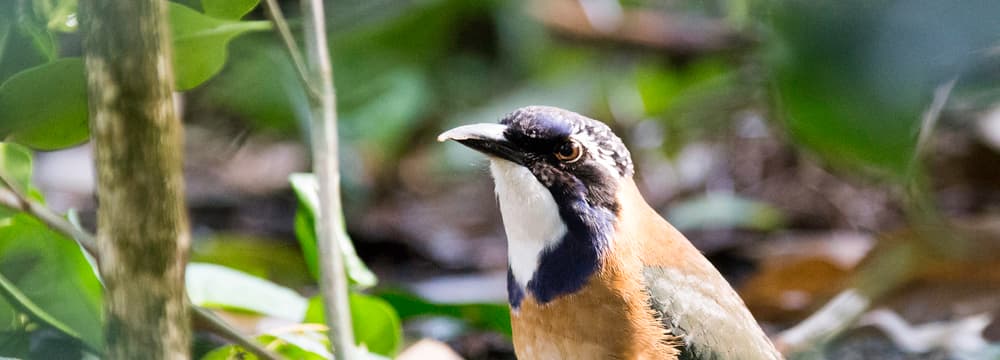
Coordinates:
(45, 107)
(200, 43)
(215, 286)
(46, 276)
(228, 9)
(305, 230)
(15, 165)
(376, 324)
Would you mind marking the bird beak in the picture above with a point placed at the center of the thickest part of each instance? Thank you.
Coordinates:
(488, 139)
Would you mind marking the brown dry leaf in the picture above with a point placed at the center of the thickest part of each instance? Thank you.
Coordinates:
(790, 290)
(800, 272)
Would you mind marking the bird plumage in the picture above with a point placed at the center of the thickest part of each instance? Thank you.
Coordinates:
(595, 272)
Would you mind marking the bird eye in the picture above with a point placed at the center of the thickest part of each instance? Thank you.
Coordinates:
(569, 151)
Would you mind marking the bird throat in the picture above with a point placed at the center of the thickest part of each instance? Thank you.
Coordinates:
(552, 250)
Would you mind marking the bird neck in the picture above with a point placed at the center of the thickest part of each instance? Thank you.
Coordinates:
(555, 237)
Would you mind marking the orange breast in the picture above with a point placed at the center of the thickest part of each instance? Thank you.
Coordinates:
(608, 319)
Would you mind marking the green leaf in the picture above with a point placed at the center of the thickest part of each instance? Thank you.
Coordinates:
(304, 345)
(228, 9)
(215, 286)
(45, 107)
(276, 261)
(376, 325)
(46, 276)
(24, 41)
(200, 43)
(15, 166)
(724, 210)
(305, 230)
(486, 316)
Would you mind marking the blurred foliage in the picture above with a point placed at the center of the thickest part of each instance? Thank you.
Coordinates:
(855, 76)
(305, 230)
(725, 211)
(261, 257)
(485, 316)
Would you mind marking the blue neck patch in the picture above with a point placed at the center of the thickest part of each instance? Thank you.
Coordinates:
(566, 267)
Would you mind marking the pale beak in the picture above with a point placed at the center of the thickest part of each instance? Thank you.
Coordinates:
(488, 139)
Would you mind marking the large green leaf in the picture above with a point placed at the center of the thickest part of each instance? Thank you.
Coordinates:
(305, 230)
(216, 286)
(376, 324)
(45, 107)
(200, 43)
(228, 9)
(46, 276)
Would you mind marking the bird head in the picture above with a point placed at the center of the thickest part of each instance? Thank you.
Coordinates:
(569, 154)
(557, 174)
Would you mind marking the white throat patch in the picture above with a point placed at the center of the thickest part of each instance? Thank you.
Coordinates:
(530, 217)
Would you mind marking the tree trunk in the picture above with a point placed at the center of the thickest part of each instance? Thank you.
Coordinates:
(142, 223)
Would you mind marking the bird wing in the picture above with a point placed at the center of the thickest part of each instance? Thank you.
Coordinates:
(691, 298)
(709, 317)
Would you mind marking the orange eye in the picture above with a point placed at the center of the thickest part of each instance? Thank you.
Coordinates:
(570, 151)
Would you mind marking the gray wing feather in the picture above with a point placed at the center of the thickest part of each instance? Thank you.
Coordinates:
(707, 314)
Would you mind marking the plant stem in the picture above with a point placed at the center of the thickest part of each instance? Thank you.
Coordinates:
(11, 199)
(333, 281)
(281, 25)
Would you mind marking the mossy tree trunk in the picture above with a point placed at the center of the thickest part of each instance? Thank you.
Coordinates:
(142, 224)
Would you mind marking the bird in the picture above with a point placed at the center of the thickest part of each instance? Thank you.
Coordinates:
(594, 271)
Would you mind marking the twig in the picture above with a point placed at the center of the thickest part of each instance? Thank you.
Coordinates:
(281, 25)
(333, 281)
(217, 325)
(12, 199)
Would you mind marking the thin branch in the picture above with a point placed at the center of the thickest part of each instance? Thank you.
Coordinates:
(333, 280)
(12, 199)
(281, 25)
(219, 326)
